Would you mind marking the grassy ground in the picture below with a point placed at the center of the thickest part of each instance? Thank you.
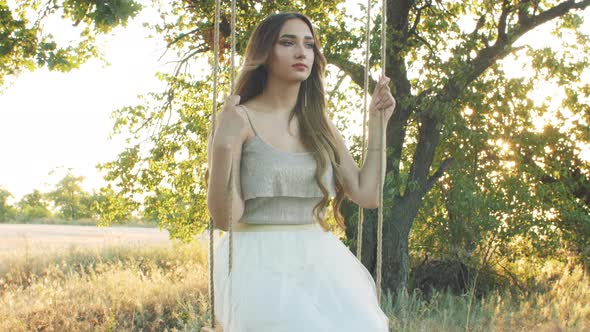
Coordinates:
(165, 289)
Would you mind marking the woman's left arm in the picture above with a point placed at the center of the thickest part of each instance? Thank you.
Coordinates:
(362, 185)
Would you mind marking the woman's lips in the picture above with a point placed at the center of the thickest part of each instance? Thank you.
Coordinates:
(300, 67)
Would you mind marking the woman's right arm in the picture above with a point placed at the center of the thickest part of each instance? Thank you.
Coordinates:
(223, 152)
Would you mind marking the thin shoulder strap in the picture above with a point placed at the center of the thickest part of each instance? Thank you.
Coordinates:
(249, 120)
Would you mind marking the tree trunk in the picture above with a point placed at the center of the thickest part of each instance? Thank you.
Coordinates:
(396, 229)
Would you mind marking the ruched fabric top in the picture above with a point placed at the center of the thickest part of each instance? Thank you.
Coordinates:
(279, 187)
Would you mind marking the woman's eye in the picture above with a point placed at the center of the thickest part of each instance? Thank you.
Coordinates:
(290, 43)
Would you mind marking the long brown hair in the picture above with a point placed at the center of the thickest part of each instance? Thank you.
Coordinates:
(314, 128)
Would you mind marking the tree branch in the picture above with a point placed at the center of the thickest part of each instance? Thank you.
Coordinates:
(355, 71)
(183, 35)
(429, 134)
(428, 139)
(419, 16)
(336, 86)
(398, 14)
(554, 12)
(480, 23)
(439, 173)
(502, 47)
(502, 21)
(425, 42)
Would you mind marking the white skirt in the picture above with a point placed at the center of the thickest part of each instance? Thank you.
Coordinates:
(293, 278)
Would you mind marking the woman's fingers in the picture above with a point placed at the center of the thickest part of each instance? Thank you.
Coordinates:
(389, 101)
(381, 89)
(387, 105)
(382, 95)
(231, 100)
(383, 84)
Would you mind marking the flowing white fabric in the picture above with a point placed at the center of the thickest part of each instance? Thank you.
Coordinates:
(294, 280)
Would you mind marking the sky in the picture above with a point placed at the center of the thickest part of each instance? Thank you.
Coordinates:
(51, 121)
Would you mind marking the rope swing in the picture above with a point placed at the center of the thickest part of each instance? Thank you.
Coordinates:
(359, 242)
(215, 326)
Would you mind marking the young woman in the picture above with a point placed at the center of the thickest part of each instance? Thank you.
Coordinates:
(289, 273)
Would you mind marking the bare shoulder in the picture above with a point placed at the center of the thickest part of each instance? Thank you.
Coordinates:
(242, 112)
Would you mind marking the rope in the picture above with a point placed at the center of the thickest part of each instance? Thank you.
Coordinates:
(213, 117)
(231, 170)
(361, 214)
(230, 196)
(382, 151)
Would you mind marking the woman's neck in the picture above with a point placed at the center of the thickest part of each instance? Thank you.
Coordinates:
(280, 96)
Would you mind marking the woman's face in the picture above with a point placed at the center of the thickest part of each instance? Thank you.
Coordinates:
(294, 45)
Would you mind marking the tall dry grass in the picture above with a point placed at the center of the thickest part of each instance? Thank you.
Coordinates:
(563, 304)
(114, 289)
(165, 289)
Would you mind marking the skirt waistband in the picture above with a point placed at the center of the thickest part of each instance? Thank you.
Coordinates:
(245, 227)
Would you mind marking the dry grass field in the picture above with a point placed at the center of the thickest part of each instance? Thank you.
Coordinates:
(138, 280)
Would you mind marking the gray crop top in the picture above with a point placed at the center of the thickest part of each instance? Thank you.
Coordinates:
(279, 187)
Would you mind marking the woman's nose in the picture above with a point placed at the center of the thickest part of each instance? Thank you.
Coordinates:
(300, 51)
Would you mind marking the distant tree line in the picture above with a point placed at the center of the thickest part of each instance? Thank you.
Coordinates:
(67, 201)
